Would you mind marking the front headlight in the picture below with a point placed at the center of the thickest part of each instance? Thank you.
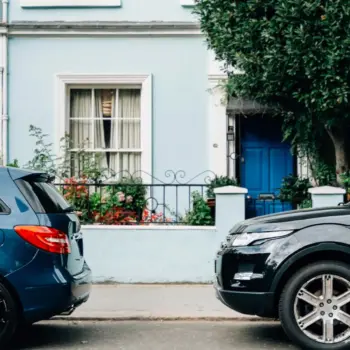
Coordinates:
(245, 239)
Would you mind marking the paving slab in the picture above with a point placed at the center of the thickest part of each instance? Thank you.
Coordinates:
(137, 302)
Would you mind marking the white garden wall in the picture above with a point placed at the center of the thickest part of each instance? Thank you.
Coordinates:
(151, 254)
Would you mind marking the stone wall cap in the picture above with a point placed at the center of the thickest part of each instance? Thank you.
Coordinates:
(327, 190)
(231, 190)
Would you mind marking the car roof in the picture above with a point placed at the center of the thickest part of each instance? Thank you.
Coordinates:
(17, 173)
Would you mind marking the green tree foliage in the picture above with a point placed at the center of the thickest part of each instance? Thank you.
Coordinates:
(295, 56)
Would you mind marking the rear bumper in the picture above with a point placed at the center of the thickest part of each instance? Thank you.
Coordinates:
(51, 293)
(249, 303)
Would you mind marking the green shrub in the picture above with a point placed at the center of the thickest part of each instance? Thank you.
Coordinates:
(219, 181)
(200, 215)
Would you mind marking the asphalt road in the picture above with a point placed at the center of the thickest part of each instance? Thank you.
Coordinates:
(191, 335)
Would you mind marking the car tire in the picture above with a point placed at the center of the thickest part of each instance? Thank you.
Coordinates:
(8, 312)
(293, 307)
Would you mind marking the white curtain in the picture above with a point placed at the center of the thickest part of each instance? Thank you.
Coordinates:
(129, 132)
(80, 128)
(100, 132)
(80, 113)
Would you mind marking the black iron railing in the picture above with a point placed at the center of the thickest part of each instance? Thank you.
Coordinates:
(264, 206)
(128, 200)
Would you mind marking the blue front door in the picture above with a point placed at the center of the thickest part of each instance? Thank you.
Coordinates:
(265, 160)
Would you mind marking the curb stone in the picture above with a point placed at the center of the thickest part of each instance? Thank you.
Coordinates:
(170, 318)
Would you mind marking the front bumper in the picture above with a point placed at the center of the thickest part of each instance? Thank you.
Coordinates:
(249, 303)
(244, 275)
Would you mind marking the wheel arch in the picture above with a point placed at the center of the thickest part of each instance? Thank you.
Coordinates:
(14, 294)
(308, 255)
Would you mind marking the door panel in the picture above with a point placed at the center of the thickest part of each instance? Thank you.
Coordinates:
(254, 164)
(280, 165)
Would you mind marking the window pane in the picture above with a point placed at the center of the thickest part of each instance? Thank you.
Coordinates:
(80, 107)
(80, 133)
(104, 131)
(126, 163)
(129, 123)
(88, 163)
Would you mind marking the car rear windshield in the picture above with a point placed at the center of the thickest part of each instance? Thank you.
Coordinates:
(43, 197)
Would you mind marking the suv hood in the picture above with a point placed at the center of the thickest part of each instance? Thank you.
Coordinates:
(295, 220)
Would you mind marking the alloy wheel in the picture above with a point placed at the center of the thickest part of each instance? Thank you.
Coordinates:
(322, 309)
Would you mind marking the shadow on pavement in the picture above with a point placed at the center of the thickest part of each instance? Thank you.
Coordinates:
(269, 332)
(49, 335)
(153, 335)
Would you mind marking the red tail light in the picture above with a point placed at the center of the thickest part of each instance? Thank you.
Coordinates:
(45, 238)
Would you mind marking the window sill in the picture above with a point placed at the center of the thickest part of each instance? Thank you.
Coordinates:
(70, 3)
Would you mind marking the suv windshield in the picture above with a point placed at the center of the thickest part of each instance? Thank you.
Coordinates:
(43, 197)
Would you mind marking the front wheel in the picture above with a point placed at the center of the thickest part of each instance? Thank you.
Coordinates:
(8, 316)
(314, 307)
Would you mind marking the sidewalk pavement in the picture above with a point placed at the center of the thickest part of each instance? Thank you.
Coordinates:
(154, 302)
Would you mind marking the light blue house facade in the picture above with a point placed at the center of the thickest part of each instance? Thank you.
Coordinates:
(136, 79)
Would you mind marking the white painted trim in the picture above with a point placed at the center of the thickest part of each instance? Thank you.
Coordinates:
(187, 2)
(231, 190)
(106, 33)
(103, 28)
(217, 124)
(63, 81)
(70, 3)
(327, 190)
(5, 12)
(149, 227)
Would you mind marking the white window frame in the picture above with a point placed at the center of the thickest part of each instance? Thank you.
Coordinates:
(187, 2)
(65, 82)
(70, 3)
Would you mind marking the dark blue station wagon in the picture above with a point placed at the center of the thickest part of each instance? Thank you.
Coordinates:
(43, 272)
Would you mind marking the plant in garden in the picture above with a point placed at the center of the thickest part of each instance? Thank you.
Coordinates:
(44, 159)
(109, 210)
(76, 193)
(149, 217)
(219, 181)
(14, 164)
(122, 202)
(80, 162)
(200, 215)
(306, 204)
(324, 174)
(346, 180)
(87, 164)
(292, 56)
(134, 194)
(294, 189)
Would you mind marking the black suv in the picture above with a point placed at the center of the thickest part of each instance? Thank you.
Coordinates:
(294, 266)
